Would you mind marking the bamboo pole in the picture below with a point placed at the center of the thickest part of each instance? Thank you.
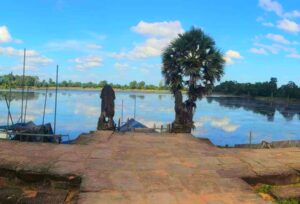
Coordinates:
(25, 114)
(45, 104)
(23, 85)
(122, 114)
(119, 124)
(55, 109)
(8, 107)
(9, 101)
(134, 114)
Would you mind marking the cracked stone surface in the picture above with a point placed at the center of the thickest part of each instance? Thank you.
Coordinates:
(152, 168)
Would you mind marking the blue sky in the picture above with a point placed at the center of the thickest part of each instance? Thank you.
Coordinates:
(120, 41)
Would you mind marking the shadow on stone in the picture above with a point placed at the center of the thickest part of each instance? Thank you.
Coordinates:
(283, 188)
(35, 187)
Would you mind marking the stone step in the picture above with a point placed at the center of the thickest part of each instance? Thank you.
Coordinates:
(286, 192)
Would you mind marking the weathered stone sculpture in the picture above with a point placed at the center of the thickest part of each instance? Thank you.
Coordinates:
(106, 121)
(183, 119)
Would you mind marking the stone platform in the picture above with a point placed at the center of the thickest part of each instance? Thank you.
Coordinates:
(153, 168)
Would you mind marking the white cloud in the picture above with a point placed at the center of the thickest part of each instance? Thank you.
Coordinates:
(39, 60)
(288, 25)
(270, 48)
(34, 60)
(276, 48)
(152, 47)
(165, 29)
(88, 62)
(231, 55)
(259, 51)
(159, 36)
(278, 38)
(5, 36)
(272, 6)
(276, 7)
(10, 51)
(264, 23)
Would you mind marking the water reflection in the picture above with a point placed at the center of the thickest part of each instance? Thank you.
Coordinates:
(135, 96)
(17, 96)
(224, 120)
(161, 96)
(265, 108)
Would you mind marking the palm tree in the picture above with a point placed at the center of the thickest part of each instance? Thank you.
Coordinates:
(193, 63)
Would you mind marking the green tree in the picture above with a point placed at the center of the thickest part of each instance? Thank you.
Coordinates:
(161, 85)
(141, 85)
(51, 82)
(64, 84)
(133, 85)
(102, 83)
(191, 62)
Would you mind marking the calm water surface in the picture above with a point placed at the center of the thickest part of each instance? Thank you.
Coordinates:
(224, 120)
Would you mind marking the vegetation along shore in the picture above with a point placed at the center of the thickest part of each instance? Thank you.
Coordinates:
(268, 90)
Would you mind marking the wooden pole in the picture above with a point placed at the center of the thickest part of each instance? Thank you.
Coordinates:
(55, 109)
(23, 85)
(9, 101)
(8, 107)
(45, 104)
(25, 114)
(122, 113)
(134, 114)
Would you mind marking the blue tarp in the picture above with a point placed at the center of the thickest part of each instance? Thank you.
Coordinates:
(131, 124)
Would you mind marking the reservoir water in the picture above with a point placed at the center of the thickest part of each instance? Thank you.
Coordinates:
(224, 120)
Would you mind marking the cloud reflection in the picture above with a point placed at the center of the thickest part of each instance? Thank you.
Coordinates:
(222, 123)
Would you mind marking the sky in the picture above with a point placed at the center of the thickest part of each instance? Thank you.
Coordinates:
(122, 40)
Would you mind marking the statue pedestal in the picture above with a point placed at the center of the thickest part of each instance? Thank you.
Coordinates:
(179, 128)
(104, 125)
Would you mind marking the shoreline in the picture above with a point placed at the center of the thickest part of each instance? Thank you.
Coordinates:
(93, 89)
(276, 100)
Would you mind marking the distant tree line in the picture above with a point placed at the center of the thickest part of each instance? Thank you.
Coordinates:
(264, 89)
(16, 81)
(259, 89)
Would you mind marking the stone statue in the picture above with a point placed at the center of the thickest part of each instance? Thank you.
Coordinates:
(183, 115)
(106, 121)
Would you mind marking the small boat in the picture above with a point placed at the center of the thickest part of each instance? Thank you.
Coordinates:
(31, 132)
